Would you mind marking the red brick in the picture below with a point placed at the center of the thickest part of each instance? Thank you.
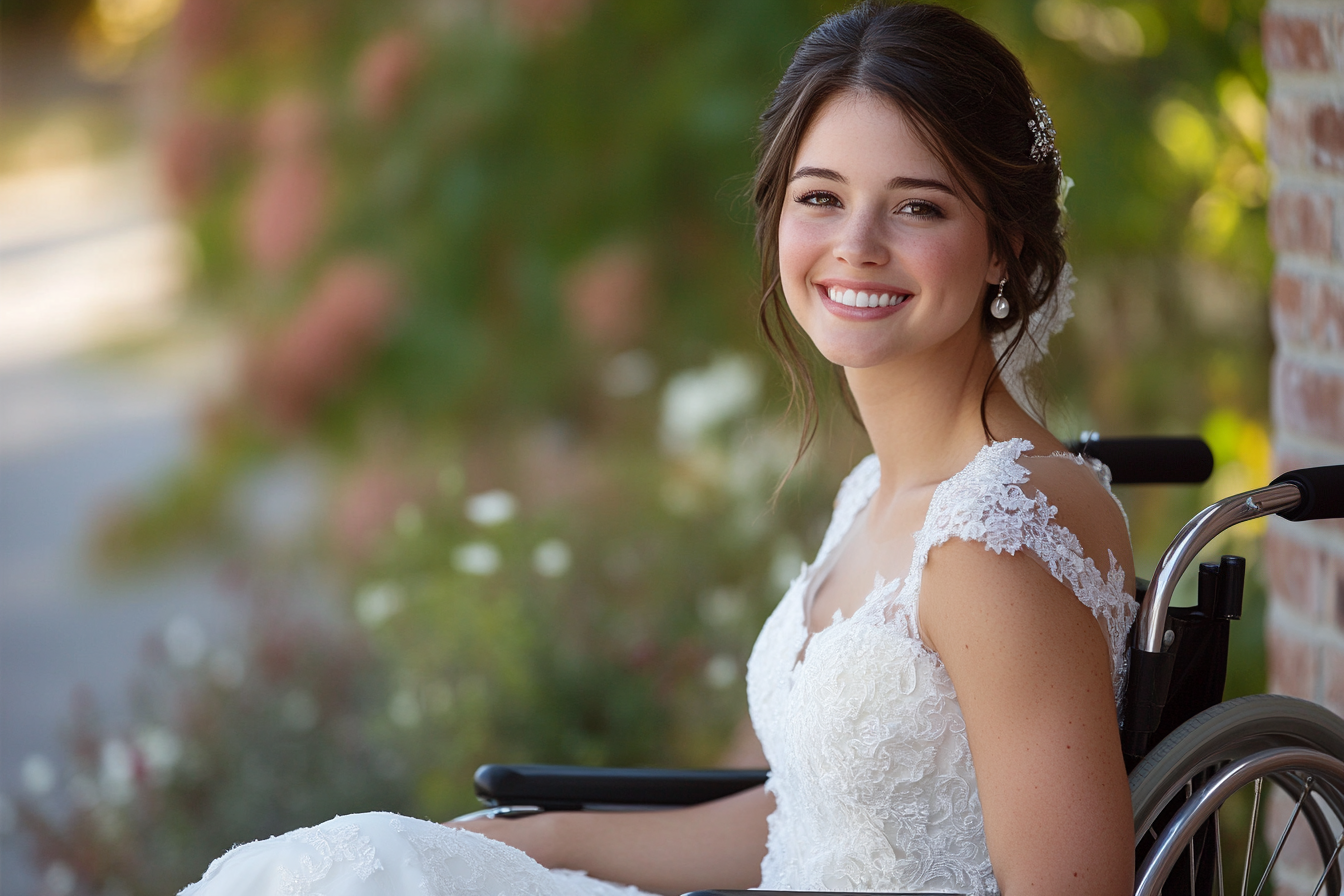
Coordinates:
(1327, 138)
(1327, 318)
(1332, 673)
(1294, 43)
(1292, 665)
(1301, 222)
(1291, 570)
(1287, 314)
(1307, 313)
(1287, 138)
(1307, 400)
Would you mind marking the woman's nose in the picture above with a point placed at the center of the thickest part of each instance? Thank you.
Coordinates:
(861, 243)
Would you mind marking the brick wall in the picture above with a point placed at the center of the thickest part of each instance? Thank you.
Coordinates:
(1304, 562)
(1304, 52)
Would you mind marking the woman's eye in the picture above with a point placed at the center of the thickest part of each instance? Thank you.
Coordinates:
(920, 209)
(819, 198)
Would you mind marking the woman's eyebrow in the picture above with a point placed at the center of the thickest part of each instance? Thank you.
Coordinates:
(896, 183)
(915, 183)
(824, 173)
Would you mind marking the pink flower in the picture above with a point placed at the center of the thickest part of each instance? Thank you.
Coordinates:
(282, 212)
(366, 505)
(327, 341)
(190, 149)
(384, 73)
(607, 295)
(201, 29)
(290, 124)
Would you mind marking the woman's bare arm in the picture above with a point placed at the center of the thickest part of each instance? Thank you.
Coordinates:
(1032, 673)
(715, 844)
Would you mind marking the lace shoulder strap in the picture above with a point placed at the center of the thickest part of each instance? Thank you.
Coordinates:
(985, 502)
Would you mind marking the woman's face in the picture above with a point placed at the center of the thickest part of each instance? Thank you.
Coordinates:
(870, 214)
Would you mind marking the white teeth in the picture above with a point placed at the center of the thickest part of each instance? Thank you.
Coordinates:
(863, 299)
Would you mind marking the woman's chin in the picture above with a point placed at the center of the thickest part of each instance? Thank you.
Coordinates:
(857, 357)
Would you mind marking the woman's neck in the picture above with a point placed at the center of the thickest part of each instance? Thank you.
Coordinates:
(922, 414)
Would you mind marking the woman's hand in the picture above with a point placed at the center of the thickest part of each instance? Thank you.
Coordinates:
(533, 834)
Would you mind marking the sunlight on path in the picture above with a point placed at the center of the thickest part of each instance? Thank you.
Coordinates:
(88, 260)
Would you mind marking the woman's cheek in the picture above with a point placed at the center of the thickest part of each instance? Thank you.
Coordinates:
(801, 245)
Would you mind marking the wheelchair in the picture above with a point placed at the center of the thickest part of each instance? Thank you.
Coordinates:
(1187, 752)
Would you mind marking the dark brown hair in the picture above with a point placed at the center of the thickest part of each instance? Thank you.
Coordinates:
(970, 102)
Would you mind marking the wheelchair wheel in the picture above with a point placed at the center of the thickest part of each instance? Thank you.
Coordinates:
(1237, 747)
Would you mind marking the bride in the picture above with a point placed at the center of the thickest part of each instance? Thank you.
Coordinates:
(936, 694)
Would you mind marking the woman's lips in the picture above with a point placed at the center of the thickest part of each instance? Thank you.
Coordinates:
(841, 305)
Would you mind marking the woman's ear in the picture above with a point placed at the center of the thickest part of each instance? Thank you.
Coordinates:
(997, 267)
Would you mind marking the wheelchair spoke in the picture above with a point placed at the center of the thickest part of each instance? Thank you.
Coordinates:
(1218, 846)
(1250, 838)
(1189, 789)
(1328, 865)
(1283, 838)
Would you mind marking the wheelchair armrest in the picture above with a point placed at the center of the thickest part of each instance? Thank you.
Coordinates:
(569, 787)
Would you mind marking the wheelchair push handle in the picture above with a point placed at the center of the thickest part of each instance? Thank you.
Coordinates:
(1313, 493)
(1322, 491)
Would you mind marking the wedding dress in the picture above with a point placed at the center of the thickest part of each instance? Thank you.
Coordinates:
(869, 762)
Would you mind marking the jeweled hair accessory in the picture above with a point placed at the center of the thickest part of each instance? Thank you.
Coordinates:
(1044, 129)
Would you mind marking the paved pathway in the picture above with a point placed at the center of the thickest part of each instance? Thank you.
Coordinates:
(86, 257)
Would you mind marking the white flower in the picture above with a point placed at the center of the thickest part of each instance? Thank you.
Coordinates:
(377, 603)
(491, 508)
(721, 671)
(477, 558)
(551, 558)
(695, 401)
(160, 748)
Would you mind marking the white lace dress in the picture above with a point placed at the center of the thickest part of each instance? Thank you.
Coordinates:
(870, 766)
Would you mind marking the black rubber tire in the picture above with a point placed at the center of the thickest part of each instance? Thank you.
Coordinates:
(1228, 731)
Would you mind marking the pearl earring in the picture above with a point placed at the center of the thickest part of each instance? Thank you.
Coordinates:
(999, 307)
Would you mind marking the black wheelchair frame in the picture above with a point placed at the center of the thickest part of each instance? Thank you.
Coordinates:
(1205, 751)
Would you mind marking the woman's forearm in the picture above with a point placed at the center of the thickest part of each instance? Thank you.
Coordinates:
(716, 844)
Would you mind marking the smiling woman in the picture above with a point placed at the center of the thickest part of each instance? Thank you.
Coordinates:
(935, 695)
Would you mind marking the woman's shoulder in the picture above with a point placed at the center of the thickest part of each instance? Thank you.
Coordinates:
(1053, 504)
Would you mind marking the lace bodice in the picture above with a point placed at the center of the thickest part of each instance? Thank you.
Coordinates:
(870, 766)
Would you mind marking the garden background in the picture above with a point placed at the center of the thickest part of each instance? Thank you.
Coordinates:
(492, 475)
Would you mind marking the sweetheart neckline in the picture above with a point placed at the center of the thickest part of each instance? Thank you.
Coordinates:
(883, 587)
